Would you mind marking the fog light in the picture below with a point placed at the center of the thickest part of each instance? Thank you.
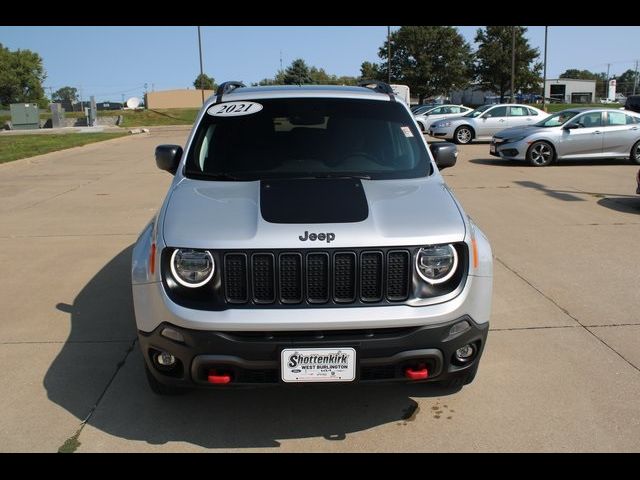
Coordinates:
(465, 353)
(459, 327)
(165, 359)
(172, 334)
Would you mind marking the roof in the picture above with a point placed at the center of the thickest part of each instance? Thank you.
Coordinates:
(569, 80)
(294, 91)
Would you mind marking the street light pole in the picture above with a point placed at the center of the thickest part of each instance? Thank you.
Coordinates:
(201, 73)
(513, 61)
(544, 75)
(389, 53)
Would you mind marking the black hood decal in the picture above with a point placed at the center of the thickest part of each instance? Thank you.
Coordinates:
(325, 200)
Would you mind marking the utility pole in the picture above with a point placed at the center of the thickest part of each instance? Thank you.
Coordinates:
(389, 53)
(201, 77)
(606, 84)
(513, 61)
(281, 60)
(544, 75)
(635, 79)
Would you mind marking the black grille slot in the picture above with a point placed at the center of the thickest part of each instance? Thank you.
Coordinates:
(344, 277)
(290, 277)
(315, 277)
(371, 276)
(263, 278)
(235, 277)
(398, 275)
(318, 277)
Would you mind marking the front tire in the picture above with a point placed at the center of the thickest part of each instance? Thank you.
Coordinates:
(422, 127)
(160, 388)
(635, 153)
(463, 135)
(458, 381)
(540, 154)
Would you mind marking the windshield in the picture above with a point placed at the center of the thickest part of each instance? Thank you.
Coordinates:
(308, 137)
(556, 119)
(478, 111)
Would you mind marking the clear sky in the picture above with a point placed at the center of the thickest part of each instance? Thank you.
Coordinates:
(111, 62)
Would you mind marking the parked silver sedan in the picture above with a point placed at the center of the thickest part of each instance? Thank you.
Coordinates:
(426, 118)
(485, 121)
(573, 133)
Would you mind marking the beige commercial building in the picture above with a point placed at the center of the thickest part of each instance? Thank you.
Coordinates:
(176, 98)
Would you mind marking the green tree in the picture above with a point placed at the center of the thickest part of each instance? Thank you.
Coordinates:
(602, 85)
(626, 81)
(493, 60)
(21, 77)
(203, 81)
(65, 94)
(297, 73)
(370, 71)
(431, 60)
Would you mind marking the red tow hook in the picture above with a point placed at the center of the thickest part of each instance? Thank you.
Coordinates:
(222, 379)
(419, 373)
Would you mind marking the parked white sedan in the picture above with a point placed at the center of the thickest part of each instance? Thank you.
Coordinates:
(439, 112)
(485, 121)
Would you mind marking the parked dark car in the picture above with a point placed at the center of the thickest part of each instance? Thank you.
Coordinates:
(633, 103)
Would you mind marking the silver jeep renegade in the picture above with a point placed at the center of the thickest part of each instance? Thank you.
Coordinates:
(308, 236)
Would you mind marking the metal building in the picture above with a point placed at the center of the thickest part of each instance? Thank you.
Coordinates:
(570, 90)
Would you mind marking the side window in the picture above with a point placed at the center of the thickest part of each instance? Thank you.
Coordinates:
(632, 120)
(589, 120)
(454, 110)
(436, 111)
(532, 112)
(518, 111)
(498, 112)
(616, 119)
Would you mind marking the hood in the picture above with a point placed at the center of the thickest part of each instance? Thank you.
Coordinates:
(459, 119)
(515, 132)
(225, 215)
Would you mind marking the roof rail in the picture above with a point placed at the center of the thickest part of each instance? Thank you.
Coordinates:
(377, 86)
(226, 87)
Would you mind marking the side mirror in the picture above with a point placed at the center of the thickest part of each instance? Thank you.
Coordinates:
(445, 154)
(571, 126)
(168, 157)
(486, 115)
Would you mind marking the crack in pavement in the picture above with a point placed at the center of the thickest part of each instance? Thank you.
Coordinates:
(73, 442)
(53, 235)
(45, 342)
(566, 312)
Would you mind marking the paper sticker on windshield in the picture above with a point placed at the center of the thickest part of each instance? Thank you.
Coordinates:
(234, 109)
(407, 131)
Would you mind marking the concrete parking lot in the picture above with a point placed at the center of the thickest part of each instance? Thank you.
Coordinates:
(560, 371)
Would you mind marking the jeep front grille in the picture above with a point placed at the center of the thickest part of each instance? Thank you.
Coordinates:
(317, 277)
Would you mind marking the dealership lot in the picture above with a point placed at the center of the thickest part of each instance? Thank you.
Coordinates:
(560, 371)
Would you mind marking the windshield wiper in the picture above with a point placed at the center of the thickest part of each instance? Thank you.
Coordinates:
(361, 176)
(226, 176)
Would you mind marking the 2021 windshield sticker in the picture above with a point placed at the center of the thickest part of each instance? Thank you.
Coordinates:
(234, 109)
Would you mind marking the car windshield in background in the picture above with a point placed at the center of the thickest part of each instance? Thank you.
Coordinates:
(307, 137)
(478, 111)
(557, 119)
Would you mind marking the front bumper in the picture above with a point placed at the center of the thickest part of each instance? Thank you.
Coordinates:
(508, 151)
(445, 133)
(253, 358)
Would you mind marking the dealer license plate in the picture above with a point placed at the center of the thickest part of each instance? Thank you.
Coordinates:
(492, 148)
(318, 364)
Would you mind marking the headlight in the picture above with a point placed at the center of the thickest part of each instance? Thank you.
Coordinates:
(192, 268)
(513, 140)
(436, 263)
(443, 125)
